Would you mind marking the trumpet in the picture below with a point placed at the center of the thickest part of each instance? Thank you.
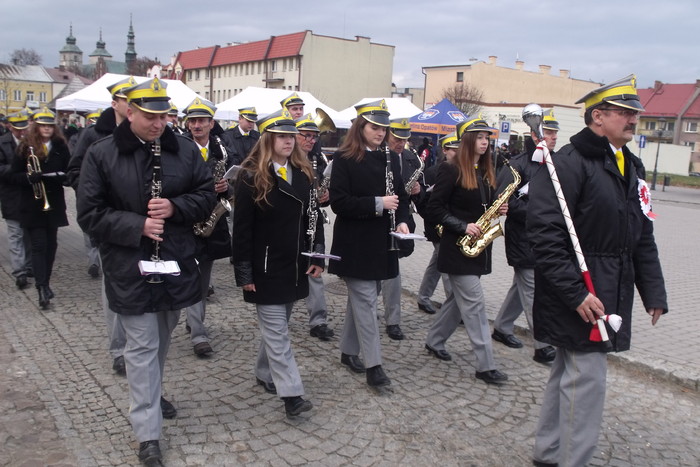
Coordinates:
(34, 166)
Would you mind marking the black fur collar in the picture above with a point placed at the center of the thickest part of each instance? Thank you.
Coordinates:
(127, 142)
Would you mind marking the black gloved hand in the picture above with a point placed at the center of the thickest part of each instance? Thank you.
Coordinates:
(34, 177)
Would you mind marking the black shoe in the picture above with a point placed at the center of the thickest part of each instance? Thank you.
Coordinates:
(188, 329)
(353, 362)
(44, 299)
(94, 271)
(51, 295)
(394, 332)
(544, 464)
(507, 339)
(268, 387)
(428, 308)
(149, 453)
(203, 349)
(167, 409)
(21, 281)
(322, 331)
(492, 376)
(545, 355)
(296, 405)
(210, 291)
(376, 377)
(119, 366)
(441, 354)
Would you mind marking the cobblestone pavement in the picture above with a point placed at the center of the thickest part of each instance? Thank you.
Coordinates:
(61, 404)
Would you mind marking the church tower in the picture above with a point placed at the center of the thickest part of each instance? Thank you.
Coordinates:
(100, 52)
(70, 56)
(130, 54)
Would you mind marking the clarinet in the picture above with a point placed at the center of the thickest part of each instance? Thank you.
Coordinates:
(389, 180)
(156, 190)
(312, 211)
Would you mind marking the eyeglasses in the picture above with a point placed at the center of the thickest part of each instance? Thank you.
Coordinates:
(309, 136)
(627, 113)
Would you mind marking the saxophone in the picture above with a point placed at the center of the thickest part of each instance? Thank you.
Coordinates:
(415, 175)
(474, 246)
(205, 228)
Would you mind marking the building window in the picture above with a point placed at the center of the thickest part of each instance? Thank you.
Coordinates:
(651, 125)
(30, 95)
(460, 76)
(189, 75)
(273, 65)
(196, 75)
(18, 95)
(218, 96)
(690, 127)
(3, 95)
(206, 95)
(42, 97)
(219, 73)
(206, 73)
(670, 126)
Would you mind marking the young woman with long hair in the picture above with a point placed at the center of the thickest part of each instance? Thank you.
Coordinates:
(43, 205)
(464, 189)
(366, 212)
(270, 222)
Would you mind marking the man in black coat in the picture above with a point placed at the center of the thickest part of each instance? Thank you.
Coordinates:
(10, 193)
(141, 190)
(243, 137)
(603, 191)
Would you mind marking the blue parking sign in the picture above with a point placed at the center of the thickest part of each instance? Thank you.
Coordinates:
(505, 127)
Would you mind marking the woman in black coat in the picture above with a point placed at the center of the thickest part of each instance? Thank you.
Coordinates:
(270, 222)
(361, 234)
(464, 190)
(42, 203)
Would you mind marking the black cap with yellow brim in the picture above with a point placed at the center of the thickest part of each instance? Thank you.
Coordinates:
(94, 115)
(306, 123)
(200, 108)
(475, 124)
(400, 128)
(449, 141)
(249, 113)
(375, 112)
(622, 93)
(149, 96)
(292, 99)
(19, 120)
(44, 117)
(549, 122)
(277, 122)
(173, 109)
(117, 89)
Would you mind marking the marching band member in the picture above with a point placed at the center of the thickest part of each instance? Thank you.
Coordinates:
(396, 138)
(243, 136)
(269, 236)
(316, 301)
(173, 119)
(464, 190)
(200, 122)
(141, 190)
(294, 105)
(367, 209)
(42, 216)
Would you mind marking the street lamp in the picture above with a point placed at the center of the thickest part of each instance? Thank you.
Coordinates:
(659, 134)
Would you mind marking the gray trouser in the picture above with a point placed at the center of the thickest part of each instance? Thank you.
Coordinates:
(466, 303)
(519, 297)
(572, 408)
(196, 313)
(431, 276)
(115, 329)
(147, 342)
(360, 331)
(276, 361)
(93, 253)
(316, 302)
(20, 249)
(391, 295)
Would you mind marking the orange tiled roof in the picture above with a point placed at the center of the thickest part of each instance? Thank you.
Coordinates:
(667, 100)
(198, 58)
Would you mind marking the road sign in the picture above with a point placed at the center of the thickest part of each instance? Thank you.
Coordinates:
(505, 127)
(642, 141)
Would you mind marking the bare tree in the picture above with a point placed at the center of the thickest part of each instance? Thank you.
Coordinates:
(25, 57)
(141, 66)
(466, 97)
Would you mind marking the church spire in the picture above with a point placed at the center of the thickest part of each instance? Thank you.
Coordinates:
(130, 54)
(70, 56)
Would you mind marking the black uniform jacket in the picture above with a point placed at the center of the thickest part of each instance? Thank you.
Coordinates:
(32, 214)
(105, 125)
(616, 238)
(114, 190)
(409, 164)
(518, 251)
(454, 207)
(429, 178)
(360, 237)
(268, 240)
(9, 192)
(240, 145)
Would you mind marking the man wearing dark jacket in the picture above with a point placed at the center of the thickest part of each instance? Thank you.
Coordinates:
(141, 190)
(602, 190)
(243, 137)
(521, 293)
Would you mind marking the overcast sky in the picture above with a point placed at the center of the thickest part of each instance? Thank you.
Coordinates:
(596, 40)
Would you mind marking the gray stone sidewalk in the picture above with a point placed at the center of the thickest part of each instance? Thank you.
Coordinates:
(62, 405)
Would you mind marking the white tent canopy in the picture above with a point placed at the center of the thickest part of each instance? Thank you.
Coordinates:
(399, 107)
(267, 101)
(96, 96)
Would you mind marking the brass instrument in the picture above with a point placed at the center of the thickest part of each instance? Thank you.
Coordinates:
(389, 181)
(156, 190)
(474, 246)
(418, 172)
(205, 228)
(324, 122)
(34, 166)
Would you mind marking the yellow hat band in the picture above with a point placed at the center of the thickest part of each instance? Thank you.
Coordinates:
(617, 91)
(374, 108)
(147, 93)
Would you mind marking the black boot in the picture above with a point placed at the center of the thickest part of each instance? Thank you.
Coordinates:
(43, 296)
